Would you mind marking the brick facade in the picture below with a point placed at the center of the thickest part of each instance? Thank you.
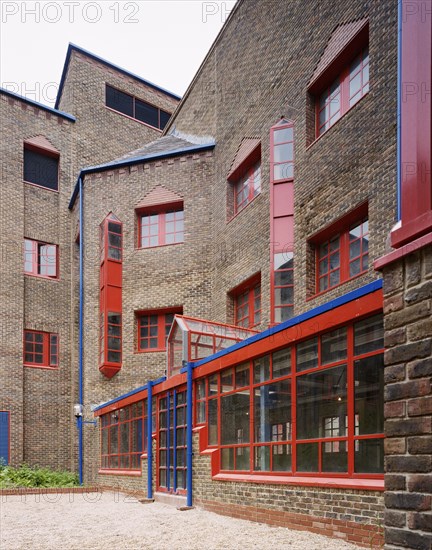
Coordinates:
(258, 70)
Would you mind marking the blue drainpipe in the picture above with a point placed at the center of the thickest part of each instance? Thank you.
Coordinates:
(189, 405)
(149, 442)
(399, 112)
(81, 314)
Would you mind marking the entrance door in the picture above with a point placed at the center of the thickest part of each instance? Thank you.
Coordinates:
(171, 440)
(4, 437)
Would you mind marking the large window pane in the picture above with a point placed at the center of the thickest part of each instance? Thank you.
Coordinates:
(319, 396)
(369, 335)
(262, 369)
(115, 99)
(212, 422)
(334, 456)
(307, 457)
(369, 394)
(369, 456)
(281, 362)
(235, 418)
(334, 346)
(307, 354)
(272, 412)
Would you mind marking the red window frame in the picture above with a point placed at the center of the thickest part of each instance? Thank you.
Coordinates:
(336, 256)
(285, 439)
(40, 349)
(247, 302)
(160, 226)
(247, 187)
(157, 321)
(40, 259)
(338, 98)
(282, 279)
(121, 422)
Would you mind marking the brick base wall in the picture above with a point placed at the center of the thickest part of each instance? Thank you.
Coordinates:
(370, 536)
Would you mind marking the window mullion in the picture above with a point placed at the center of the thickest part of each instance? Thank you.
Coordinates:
(161, 222)
(350, 399)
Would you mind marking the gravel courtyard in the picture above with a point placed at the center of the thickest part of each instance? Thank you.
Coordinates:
(111, 520)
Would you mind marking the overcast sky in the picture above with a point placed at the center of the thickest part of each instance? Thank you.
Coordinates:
(163, 41)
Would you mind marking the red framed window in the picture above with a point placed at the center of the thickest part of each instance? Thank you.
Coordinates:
(343, 93)
(342, 256)
(153, 329)
(123, 435)
(282, 151)
(40, 259)
(315, 408)
(283, 286)
(41, 349)
(247, 187)
(161, 227)
(247, 303)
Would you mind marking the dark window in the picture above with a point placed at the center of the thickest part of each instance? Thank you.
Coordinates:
(41, 169)
(119, 101)
(136, 108)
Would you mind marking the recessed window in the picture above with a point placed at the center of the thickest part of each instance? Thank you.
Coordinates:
(344, 92)
(40, 349)
(159, 227)
(136, 108)
(247, 187)
(41, 168)
(247, 305)
(40, 259)
(153, 329)
(343, 256)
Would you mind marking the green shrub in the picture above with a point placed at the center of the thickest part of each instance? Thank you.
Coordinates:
(27, 476)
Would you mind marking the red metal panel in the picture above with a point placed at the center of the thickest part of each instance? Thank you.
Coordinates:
(416, 130)
(283, 199)
(284, 233)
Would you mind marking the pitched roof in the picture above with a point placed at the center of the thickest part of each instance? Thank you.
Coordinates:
(341, 37)
(73, 47)
(164, 144)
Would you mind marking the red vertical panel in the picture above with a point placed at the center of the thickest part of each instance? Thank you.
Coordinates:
(416, 113)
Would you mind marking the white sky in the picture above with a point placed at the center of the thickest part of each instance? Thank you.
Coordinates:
(163, 41)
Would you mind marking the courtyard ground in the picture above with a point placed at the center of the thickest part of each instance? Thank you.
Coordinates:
(99, 521)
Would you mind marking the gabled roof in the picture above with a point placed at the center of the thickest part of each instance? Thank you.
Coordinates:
(73, 47)
(339, 40)
(41, 142)
(159, 195)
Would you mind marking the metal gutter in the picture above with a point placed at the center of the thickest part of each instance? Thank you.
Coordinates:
(136, 160)
(54, 111)
(81, 331)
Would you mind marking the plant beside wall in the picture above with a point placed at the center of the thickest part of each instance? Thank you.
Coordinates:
(26, 476)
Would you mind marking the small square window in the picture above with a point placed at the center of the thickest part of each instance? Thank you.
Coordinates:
(153, 329)
(41, 349)
(41, 168)
(160, 227)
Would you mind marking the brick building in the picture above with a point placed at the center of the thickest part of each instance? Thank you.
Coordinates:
(217, 274)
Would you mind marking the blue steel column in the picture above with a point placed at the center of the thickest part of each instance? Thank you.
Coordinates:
(81, 318)
(149, 441)
(175, 440)
(189, 435)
